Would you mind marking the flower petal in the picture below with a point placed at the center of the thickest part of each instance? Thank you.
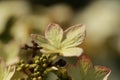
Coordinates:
(38, 38)
(46, 51)
(9, 73)
(2, 68)
(74, 36)
(42, 42)
(54, 34)
(84, 70)
(68, 52)
(102, 71)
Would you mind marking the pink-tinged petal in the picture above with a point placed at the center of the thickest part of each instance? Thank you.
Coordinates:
(106, 77)
(102, 72)
(74, 35)
(54, 34)
(85, 65)
(85, 60)
(68, 52)
(84, 70)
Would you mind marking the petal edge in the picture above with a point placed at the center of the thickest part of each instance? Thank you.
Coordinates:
(75, 51)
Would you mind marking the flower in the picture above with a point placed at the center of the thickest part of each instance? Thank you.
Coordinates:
(85, 70)
(6, 73)
(63, 42)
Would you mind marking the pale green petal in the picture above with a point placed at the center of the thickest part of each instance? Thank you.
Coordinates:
(38, 38)
(2, 66)
(42, 41)
(75, 51)
(74, 36)
(54, 34)
(46, 51)
(14, 48)
(48, 47)
(9, 73)
(6, 73)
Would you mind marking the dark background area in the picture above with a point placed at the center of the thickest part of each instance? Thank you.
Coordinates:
(75, 4)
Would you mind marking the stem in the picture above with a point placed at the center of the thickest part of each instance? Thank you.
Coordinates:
(27, 72)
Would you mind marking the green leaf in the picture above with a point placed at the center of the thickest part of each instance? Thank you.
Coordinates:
(84, 70)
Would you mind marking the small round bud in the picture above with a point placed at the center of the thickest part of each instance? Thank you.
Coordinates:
(21, 61)
(45, 72)
(36, 57)
(32, 65)
(22, 65)
(39, 78)
(40, 58)
(35, 74)
(34, 79)
(44, 65)
(36, 61)
(35, 69)
(38, 73)
(44, 60)
(27, 65)
(19, 69)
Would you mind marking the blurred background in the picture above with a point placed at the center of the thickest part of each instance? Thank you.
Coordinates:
(20, 18)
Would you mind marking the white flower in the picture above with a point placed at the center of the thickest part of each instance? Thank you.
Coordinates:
(6, 73)
(63, 42)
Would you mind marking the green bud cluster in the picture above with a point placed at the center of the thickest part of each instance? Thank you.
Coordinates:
(37, 69)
